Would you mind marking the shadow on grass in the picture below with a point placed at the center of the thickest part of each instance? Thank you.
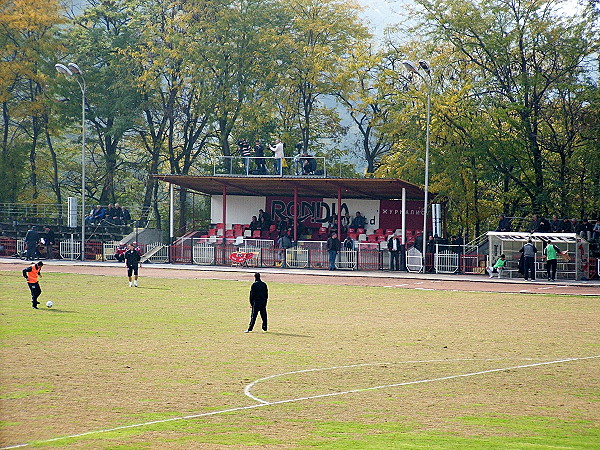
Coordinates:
(290, 335)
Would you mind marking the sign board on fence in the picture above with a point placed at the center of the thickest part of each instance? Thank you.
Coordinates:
(72, 213)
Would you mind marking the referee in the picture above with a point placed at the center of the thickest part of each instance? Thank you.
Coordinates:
(132, 261)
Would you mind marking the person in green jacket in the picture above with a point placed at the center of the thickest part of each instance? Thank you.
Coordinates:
(551, 252)
(498, 266)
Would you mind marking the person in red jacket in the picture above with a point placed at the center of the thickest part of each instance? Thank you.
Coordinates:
(31, 274)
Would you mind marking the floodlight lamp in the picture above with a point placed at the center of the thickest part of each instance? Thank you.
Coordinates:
(410, 66)
(75, 68)
(424, 66)
(61, 68)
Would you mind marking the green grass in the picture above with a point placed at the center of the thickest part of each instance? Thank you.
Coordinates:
(107, 356)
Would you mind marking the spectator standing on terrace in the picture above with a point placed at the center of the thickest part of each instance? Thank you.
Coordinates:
(246, 153)
(586, 229)
(126, 217)
(333, 247)
(278, 154)
(529, 251)
(259, 295)
(394, 249)
(551, 252)
(359, 221)
(31, 241)
(503, 223)
(31, 274)
(259, 153)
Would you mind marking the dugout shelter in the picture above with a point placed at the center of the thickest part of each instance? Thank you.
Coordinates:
(573, 266)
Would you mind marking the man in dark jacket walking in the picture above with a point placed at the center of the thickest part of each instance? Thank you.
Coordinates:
(259, 294)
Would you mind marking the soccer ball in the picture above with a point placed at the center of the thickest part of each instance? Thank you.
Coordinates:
(49, 304)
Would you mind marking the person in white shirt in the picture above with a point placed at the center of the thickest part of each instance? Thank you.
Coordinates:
(278, 154)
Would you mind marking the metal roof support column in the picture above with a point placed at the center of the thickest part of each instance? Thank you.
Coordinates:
(171, 217)
(339, 211)
(295, 213)
(403, 216)
(224, 210)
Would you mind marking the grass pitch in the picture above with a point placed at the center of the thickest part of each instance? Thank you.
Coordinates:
(108, 356)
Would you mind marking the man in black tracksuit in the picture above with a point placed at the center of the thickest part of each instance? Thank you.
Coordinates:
(132, 260)
(259, 294)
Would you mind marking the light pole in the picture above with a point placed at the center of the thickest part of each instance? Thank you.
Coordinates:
(413, 69)
(72, 69)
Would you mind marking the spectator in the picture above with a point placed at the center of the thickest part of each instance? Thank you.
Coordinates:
(359, 221)
(117, 217)
(348, 243)
(110, 213)
(346, 221)
(99, 214)
(597, 230)
(333, 247)
(533, 224)
(543, 225)
(503, 223)
(50, 241)
(575, 226)
(265, 220)
(284, 241)
(333, 223)
(126, 217)
(259, 153)
(309, 164)
(430, 247)
(31, 241)
(278, 154)
(586, 230)
(393, 246)
(555, 225)
(566, 226)
(254, 224)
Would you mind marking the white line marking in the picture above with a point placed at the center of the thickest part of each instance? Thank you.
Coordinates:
(262, 402)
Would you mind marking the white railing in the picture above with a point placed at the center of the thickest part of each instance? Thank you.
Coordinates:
(70, 249)
(445, 261)
(296, 258)
(268, 166)
(347, 259)
(156, 252)
(203, 253)
(108, 250)
(414, 260)
(259, 243)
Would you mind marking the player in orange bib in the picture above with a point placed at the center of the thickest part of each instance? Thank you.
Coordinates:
(31, 274)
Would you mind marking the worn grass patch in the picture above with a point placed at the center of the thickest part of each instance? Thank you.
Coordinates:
(108, 356)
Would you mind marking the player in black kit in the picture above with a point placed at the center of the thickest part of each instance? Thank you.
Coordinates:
(132, 261)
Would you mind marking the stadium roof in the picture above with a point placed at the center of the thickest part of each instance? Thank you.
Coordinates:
(357, 188)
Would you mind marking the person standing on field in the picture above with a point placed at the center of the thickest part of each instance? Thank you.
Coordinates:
(259, 294)
(31, 274)
(529, 252)
(132, 261)
(551, 252)
(333, 247)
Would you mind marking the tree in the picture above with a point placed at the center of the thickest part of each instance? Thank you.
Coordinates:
(28, 41)
(523, 55)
